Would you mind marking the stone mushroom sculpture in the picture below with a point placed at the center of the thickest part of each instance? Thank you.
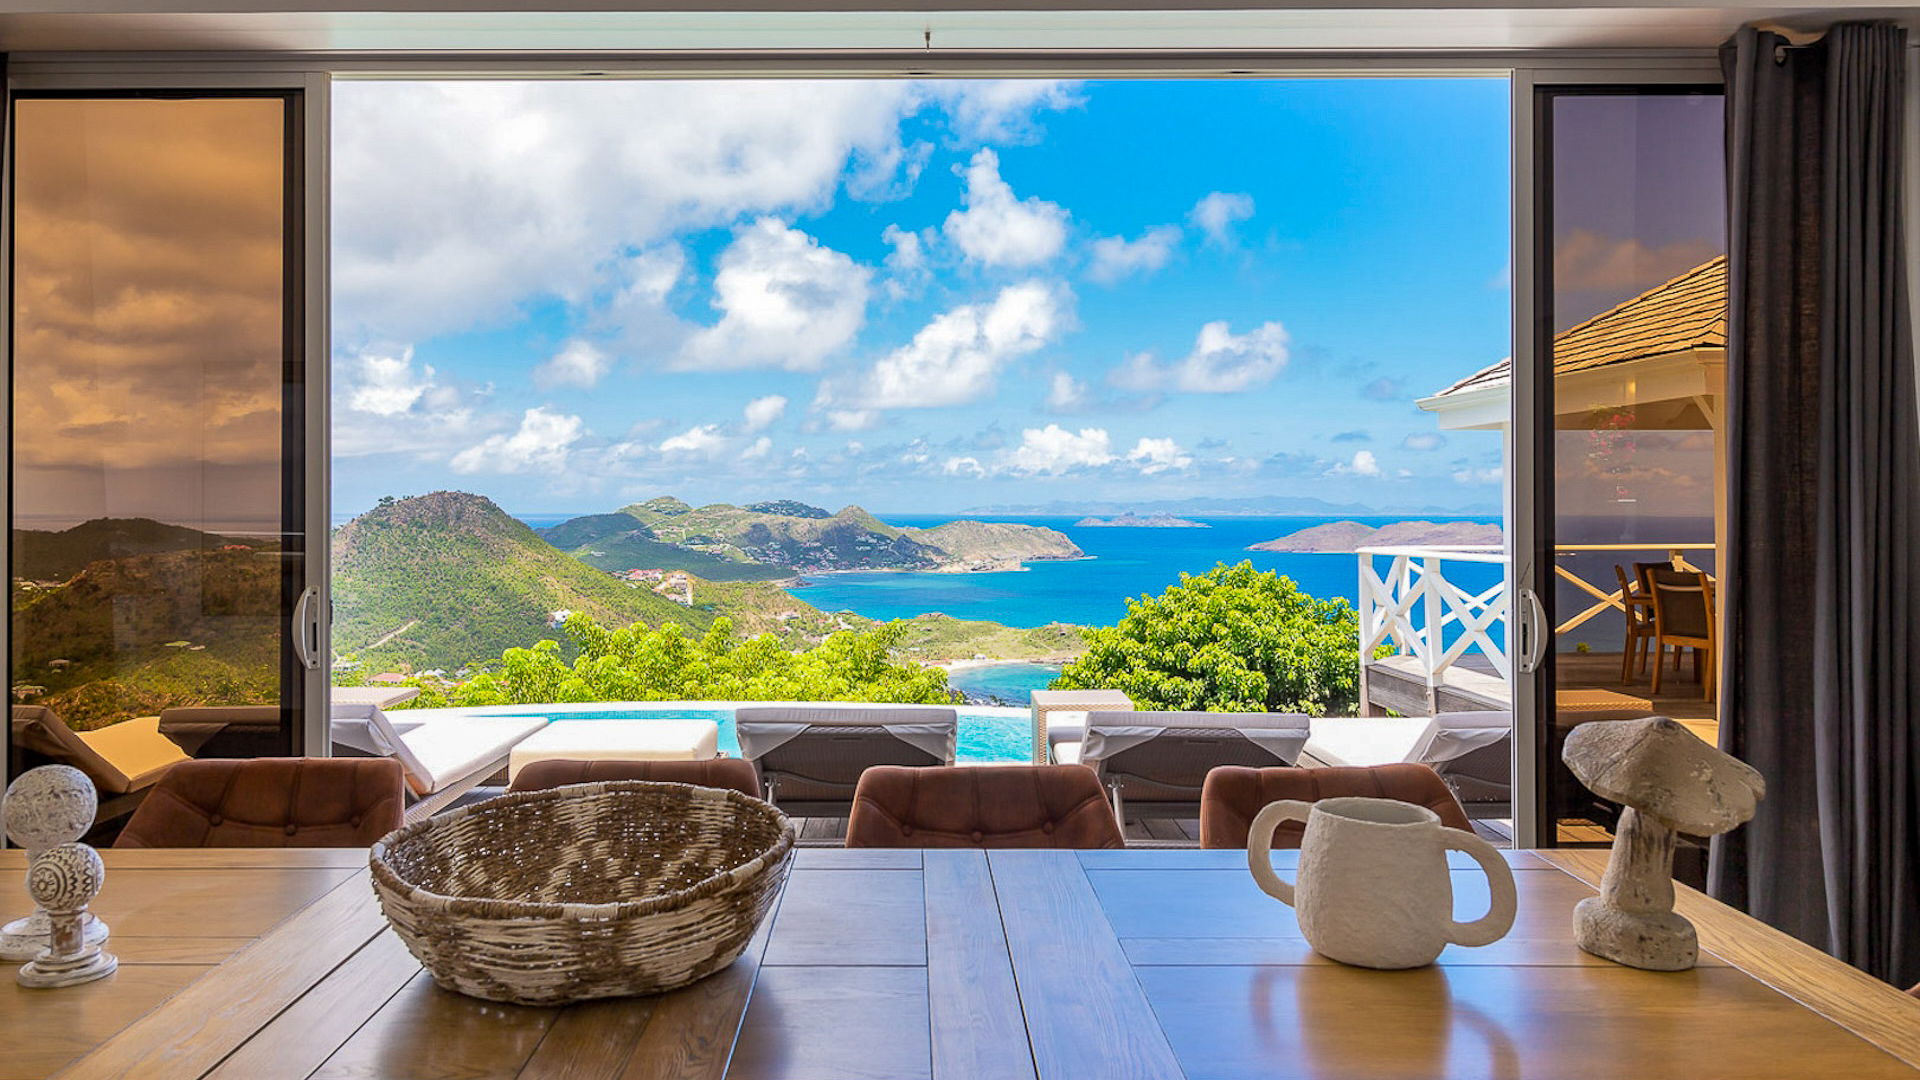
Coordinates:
(1670, 782)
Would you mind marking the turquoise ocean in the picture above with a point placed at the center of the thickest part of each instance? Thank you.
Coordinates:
(1121, 564)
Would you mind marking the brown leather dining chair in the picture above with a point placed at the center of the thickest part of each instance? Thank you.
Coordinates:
(1014, 806)
(1234, 795)
(733, 773)
(269, 803)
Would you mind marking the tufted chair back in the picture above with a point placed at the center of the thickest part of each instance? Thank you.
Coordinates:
(1016, 806)
(269, 802)
(1233, 796)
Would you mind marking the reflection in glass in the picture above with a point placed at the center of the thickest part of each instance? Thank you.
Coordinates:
(1638, 357)
(148, 389)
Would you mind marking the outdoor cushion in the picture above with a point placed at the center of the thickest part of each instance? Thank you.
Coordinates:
(119, 758)
(1233, 796)
(1016, 806)
(193, 727)
(732, 773)
(434, 753)
(450, 749)
(269, 802)
(667, 739)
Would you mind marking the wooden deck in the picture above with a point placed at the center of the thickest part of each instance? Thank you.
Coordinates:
(1471, 684)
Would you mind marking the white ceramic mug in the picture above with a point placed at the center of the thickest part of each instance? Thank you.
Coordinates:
(1373, 888)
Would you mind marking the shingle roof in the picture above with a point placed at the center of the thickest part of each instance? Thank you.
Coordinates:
(1688, 312)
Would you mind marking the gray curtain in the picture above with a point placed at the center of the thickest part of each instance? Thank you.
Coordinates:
(1823, 497)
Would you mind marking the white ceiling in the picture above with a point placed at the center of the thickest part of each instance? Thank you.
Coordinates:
(609, 26)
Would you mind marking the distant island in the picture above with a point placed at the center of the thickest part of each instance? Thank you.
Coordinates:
(1159, 519)
(1244, 506)
(774, 540)
(1345, 537)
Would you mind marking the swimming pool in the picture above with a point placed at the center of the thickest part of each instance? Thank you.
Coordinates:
(986, 734)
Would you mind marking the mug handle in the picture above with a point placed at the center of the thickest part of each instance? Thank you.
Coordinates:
(1260, 845)
(1494, 925)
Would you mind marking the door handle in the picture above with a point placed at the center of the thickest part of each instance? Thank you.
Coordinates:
(1533, 632)
(306, 629)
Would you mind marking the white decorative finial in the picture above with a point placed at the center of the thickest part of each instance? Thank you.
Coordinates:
(64, 880)
(44, 808)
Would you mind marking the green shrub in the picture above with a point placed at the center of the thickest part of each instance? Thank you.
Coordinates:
(1233, 639)
(635, 663)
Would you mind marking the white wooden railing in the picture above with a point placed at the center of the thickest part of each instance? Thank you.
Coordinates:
(1413, 607)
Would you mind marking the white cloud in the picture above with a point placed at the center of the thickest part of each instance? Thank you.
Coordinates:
(386, 385)
(1478, 476)
(1216, 213)
(1002, 110)
(457, 201)
(1423, 441)
(1362, 464)
(852, 419)
(579, 363)
(964, 466)
(541, 444)
(761, 447)
(761, 412)
(384, 403)
(1115, 257)
(957, 357)
(1158, 455)
(998, 229)
(702, 440)
(1067, 394)
(1054, 450)
(785, 301)
(908, 253)
(1221, 362)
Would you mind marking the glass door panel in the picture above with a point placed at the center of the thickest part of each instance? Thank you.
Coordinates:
(158, 530)
(1633, 343)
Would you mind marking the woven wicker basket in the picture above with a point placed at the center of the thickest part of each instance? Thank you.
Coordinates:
(587, 891)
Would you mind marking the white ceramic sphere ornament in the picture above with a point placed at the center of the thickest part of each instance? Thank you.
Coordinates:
(44, 808)
(64, 880)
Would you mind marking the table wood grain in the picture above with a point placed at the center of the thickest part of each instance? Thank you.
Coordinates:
(946, 965)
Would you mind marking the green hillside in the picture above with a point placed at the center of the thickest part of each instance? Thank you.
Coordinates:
(56, 556)
(440, 580)
(616, 542)
(769, 540)
(131, 636)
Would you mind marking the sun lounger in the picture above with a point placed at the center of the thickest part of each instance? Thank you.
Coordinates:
(1154, 764)
(617, 740)
(1471, 751)
(226, 731)
(123, 760)
(444, 758)
(811, 758)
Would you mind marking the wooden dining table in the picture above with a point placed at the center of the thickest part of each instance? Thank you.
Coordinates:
(897, 964)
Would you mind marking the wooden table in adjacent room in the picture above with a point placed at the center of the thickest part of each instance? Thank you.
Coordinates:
(901, 964)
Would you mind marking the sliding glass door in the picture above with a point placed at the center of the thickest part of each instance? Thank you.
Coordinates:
(1627, 361)
(160, 406)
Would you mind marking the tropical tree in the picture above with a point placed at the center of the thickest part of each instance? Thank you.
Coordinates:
(635, 663)
(1234, 639)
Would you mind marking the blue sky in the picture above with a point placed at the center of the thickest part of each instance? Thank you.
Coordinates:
(915, 296)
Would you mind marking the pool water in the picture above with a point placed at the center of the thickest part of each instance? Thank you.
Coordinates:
(983, 736)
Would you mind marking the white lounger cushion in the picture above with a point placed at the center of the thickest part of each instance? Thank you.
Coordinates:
(1110, 733)
(675, 739)
(433, 753)
(1386, 740)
